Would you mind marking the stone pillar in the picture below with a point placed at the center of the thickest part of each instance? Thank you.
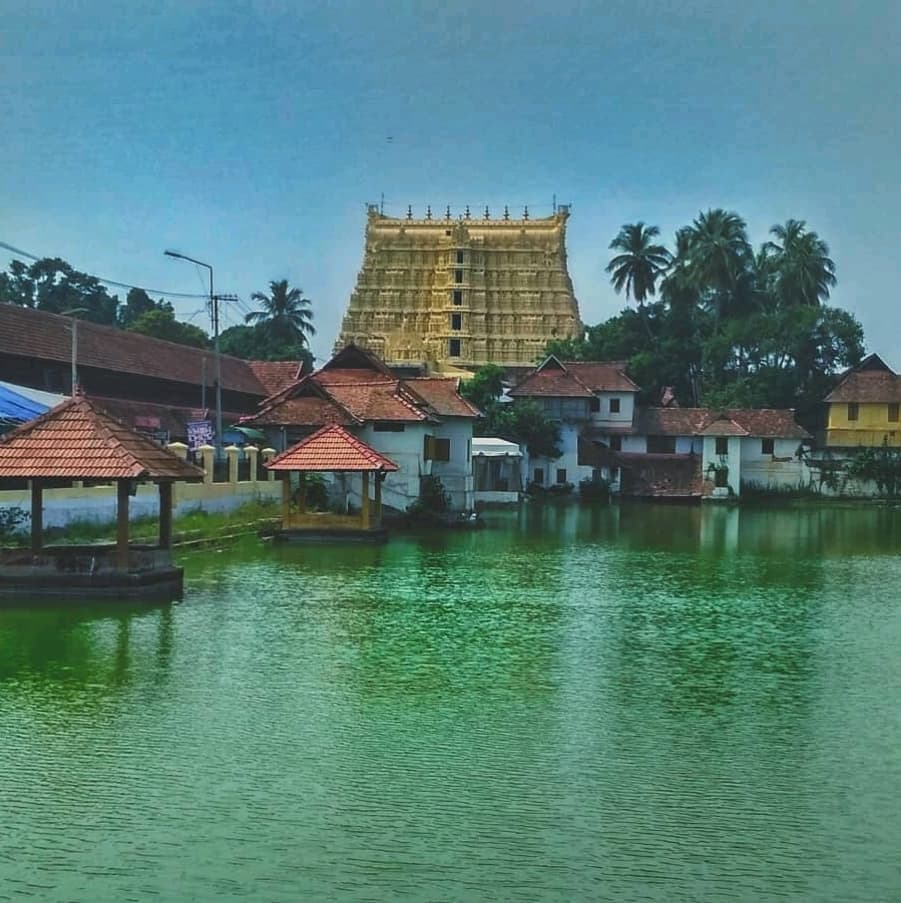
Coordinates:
(233, 452)
(252, 453)
(122, 492)
(286, 496)
(37, 516)
(165, 515)
(268, 454)
(379, 478)
(364, 503)
(180, 449)
(206, 456)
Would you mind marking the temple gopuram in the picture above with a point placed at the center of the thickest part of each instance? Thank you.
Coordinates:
(458, 293)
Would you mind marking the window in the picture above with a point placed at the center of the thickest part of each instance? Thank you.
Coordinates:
(459, 257)
(458, 296)
(722, 445)
(594, 405)
(561, 474)
(385, 427)
(538, 476)
(893, 411)
(458, 276)
(767, 446)
(615, 443)
(453, 348)
(661, 445)
(456, 321)
(853, 410)
(614, 405)
(435, 449)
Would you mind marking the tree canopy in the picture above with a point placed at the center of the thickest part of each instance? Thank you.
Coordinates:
(732, 327)
(285, 313)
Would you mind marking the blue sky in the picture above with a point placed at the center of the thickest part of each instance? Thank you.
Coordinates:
(252, 134)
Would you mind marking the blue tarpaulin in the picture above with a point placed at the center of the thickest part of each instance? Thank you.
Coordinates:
(20, 406)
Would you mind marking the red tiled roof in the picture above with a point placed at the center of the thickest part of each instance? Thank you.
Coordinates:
(574, 379)
(37, 334)
(274, 376)
(308, 410)
(377, 401)
(77, 441)
(352, 377)
(331, 448)
(602, 376)
(443, 396)
(171, 418)
(868, 387)
(777, 423)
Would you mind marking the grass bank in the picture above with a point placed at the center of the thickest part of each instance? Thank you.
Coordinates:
(194, 527)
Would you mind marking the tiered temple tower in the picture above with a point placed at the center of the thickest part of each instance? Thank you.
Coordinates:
(462, 292)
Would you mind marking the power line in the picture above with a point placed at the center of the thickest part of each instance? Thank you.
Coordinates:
(150, 291)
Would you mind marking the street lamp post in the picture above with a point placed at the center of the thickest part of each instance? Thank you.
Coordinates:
(214, 312)
(72, 313)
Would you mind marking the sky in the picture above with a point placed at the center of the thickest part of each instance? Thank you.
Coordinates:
(252, 134)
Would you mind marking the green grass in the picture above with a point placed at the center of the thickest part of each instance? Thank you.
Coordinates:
(195, 525)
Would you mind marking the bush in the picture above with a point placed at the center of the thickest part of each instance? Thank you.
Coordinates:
(433, 499)
(594, 490)
(11, 520)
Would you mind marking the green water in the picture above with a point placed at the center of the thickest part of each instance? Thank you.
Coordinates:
(632, 703)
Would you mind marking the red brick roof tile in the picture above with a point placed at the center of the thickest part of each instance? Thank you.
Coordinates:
(78, 441)
(777, 423)
(37, 334)
(332, 448)
(274, 376)
(443, 396)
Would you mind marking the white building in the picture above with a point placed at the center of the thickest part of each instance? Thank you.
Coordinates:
(424, 425)
(497, 470)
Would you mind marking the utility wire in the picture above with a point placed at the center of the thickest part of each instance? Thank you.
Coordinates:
(150, 291)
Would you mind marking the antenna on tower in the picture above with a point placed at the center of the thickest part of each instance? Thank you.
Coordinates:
(555, 203)
(382, 205)
(428, 212)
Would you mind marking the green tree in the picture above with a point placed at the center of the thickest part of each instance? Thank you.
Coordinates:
(254, 343)
(639, 263)
(485, 387)
(54, 286)
(803, 273)
(137, 303)
(285, 312)
(161, 324)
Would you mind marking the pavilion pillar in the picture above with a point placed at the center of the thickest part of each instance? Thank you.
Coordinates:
(286, 497)
(364, 505)
(378, 499)
(165, 515)
(37, 516)
(122, 487)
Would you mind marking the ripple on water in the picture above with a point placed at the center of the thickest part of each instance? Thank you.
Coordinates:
(632, 703)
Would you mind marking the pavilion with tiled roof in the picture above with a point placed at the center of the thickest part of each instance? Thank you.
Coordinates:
(331, 449)
(78, 441)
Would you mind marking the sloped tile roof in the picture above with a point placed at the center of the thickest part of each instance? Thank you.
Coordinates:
(868, 387)
(777, 423)
(443, 396)
(274, 376)
(172, 418)
(332, 448)
(78, 441)
(551, 384)
(383, 401)
(602, 376)
(36, 334)
(308, 410)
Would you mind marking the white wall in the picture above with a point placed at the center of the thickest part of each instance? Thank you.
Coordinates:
(456, 474)
(405, 449)
(782, 468)
(605, 417)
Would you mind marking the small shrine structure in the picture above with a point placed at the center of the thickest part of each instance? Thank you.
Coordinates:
(76, 441)
(331, 449)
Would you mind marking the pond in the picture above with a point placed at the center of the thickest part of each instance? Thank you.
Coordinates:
(634, 702)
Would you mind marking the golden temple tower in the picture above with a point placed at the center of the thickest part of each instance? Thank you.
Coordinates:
(462, 292)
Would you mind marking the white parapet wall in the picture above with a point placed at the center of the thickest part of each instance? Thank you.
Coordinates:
(98, 503)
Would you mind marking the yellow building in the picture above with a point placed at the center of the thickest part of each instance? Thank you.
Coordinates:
(462, 292)
(864, 407)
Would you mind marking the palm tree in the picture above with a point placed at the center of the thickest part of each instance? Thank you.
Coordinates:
(640, 262)
(285, 312)
(803, 270)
